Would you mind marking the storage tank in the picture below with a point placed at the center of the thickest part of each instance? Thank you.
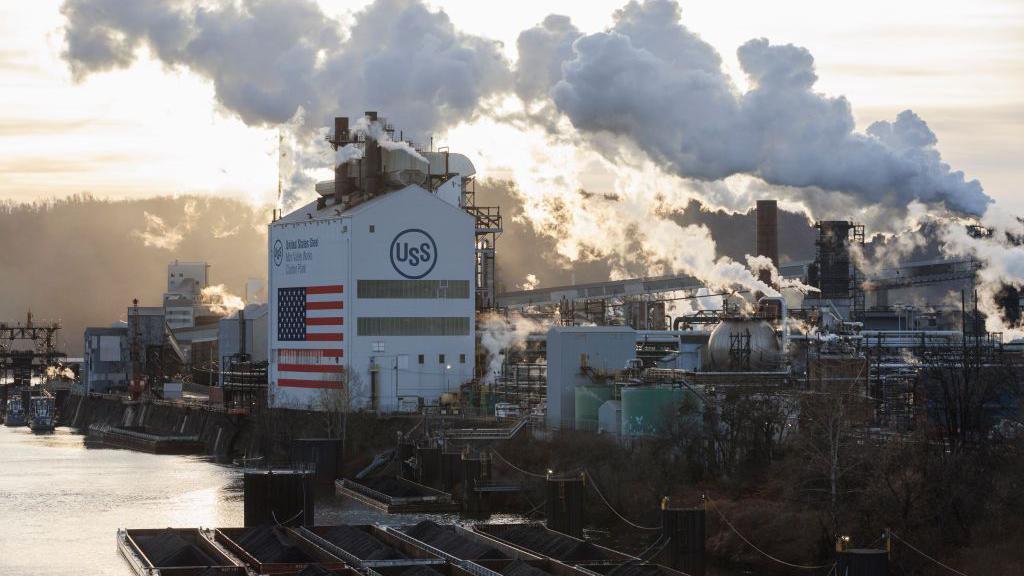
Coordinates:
(650, 410)
(588, 402)
(609, 418)
(743, 344)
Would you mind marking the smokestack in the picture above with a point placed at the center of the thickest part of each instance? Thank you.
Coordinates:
(340, 131)
(241, 332)
(768, 234)
(342, 185)
(372, 162)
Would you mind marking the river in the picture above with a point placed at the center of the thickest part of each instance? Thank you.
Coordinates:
(62, 501)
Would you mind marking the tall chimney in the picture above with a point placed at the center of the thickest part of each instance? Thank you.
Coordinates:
(241, 333)
(340, 130)
(372, 162)
(341, 182)
(768, 234)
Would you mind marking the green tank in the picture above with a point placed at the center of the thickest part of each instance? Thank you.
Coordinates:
(588, 401)
(652, 410)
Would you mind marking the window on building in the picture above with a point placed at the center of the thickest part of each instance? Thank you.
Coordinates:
(426, 289)
(440, 358)
(378, 346)
(413, 326)
(371, 228)
(421, 358)
(462, 358)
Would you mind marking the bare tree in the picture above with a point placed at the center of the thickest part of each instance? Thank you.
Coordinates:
(830, 445)
(335, 404)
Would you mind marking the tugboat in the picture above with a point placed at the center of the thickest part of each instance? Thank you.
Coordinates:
(14, 415)
(42, 417)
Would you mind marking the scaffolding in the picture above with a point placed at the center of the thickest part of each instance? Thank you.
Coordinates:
(22, 364)
(523, 379)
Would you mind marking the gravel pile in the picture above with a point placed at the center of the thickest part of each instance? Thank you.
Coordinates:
(270, 545)
(167, 548)
(447, 539)
(359, 543)
(546, 542)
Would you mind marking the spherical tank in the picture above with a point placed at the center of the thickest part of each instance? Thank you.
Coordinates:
(732, 338)
(588, 402)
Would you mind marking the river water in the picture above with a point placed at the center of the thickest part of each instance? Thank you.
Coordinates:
(62, 501)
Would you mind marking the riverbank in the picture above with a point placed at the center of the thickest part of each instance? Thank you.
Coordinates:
(265, 436)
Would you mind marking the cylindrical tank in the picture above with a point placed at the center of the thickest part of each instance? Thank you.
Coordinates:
(738, 344)
(588, 402)
(651, 410)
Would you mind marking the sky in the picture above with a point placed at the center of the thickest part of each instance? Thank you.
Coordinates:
(150, 130)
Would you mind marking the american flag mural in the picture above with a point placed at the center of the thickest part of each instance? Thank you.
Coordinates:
(311, 314)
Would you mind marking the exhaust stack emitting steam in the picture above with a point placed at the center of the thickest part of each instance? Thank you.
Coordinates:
(646, 99)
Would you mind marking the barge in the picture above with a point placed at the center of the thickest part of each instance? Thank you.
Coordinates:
(134, 438)
(396, 495)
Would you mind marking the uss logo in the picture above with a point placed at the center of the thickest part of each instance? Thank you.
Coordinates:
(413, 253)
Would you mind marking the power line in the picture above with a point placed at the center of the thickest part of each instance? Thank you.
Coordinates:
(517, 468)
(762, 552)
(933, 559)
(610, 507)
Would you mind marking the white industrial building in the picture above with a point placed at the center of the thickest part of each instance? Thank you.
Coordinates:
(182, 300)
(577, 355)
(372, 286)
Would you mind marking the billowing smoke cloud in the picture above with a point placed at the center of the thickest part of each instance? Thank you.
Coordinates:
(269, 58)
(647, 99)
(652, 80)
(273, 61)
(1002, 264)
(542, 49)
(221, 301)
(500, 334)
(159, 234)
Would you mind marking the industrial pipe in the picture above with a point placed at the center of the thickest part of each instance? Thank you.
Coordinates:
(783, 316)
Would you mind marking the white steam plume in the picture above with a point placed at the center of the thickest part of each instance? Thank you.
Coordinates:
(272, 61)
(650, 79)
(498, 335)
(160, 234)
(1002, 263)
(221, 301)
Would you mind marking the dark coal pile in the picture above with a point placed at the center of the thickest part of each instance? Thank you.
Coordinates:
(520, 568)
(445, 538)
(392, 487)
(359, 543)
(211, 571)
(167, 548)
(420, 571)
(314, 570)
(640, 570)
(547, 543)
(270, 545)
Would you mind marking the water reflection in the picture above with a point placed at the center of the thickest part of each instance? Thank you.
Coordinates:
(61, 505)
(63, 499)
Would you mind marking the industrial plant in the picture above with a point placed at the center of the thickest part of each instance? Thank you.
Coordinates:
(384, 286)
(381, 302)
